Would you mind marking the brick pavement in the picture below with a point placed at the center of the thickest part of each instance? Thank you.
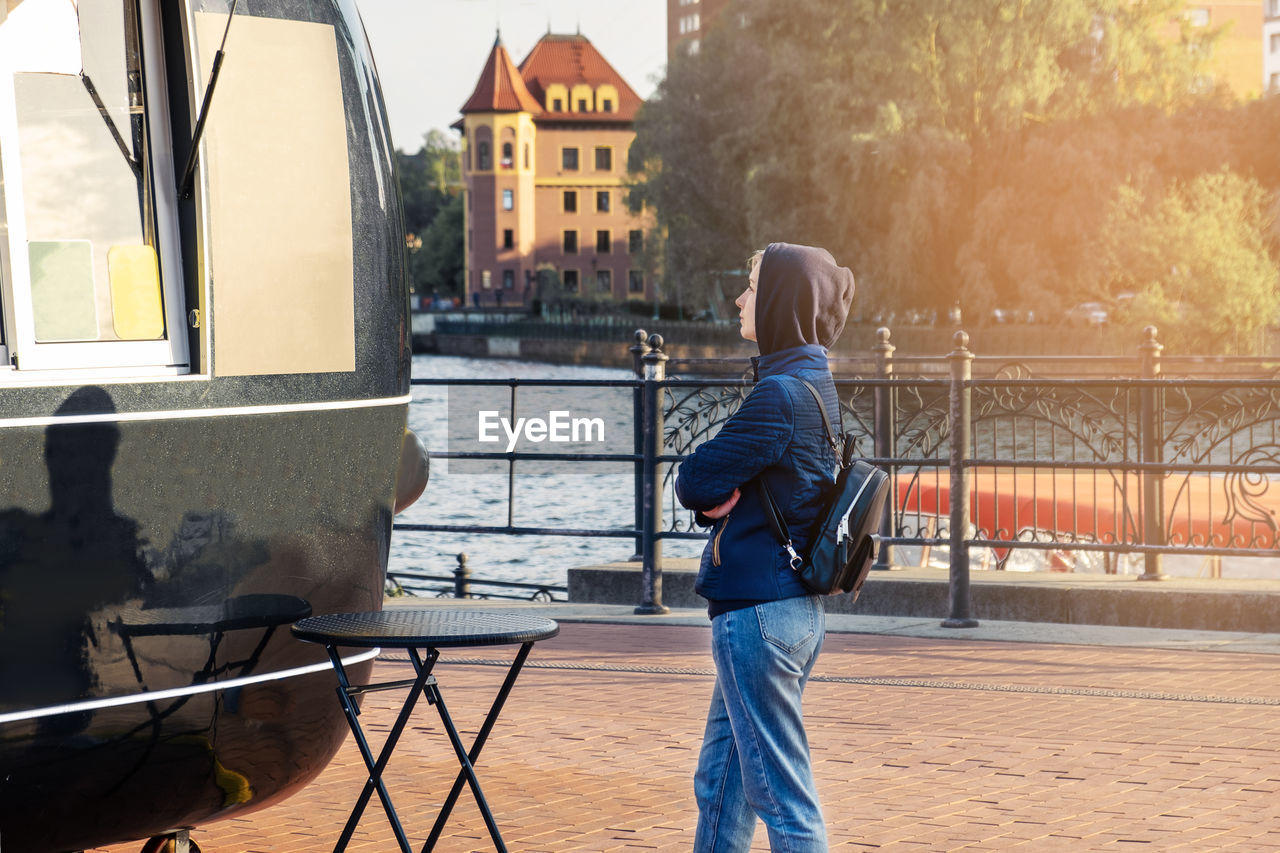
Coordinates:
(919, 745)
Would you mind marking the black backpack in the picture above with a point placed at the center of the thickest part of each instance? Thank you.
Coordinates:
(841, 549)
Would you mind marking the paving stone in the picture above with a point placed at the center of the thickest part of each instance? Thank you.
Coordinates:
(919, 744)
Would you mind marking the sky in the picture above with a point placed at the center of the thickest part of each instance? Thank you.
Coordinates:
(430, 53)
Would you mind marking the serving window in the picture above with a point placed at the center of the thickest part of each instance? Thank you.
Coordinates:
(89, 273)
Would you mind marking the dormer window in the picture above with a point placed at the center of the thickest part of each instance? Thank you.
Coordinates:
(606, 98)
(582, 105)
(557, 105)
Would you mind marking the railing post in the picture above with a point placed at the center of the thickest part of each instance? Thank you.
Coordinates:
(655, 372)
(961, 361)
(639, 350)
(461, 589)
(1151, 450)
(884, 441)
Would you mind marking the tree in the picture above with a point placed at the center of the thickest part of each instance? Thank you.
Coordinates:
(942, 150)
(693, 186)
(429, 180)
(1196, 260)
(441, 262)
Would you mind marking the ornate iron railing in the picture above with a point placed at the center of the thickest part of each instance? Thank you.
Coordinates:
(1014, 461)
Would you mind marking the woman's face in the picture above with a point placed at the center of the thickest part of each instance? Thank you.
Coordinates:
(747, 304)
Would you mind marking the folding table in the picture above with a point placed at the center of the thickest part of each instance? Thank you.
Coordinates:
(418, 630)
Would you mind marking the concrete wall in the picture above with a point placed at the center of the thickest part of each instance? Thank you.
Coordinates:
(1184, 603)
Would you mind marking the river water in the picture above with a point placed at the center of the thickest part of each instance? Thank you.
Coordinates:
(546, 494)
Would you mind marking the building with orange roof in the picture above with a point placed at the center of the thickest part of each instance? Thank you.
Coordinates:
(544, 159)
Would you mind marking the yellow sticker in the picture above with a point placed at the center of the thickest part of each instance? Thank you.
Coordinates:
(137, 309)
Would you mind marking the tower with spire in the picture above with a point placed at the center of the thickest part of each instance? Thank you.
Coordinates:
(544, 161)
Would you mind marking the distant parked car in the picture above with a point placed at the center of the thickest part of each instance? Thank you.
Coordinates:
(1087, 314)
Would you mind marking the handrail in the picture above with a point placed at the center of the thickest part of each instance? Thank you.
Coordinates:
(1137, 464)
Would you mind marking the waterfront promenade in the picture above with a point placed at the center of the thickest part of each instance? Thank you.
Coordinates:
(1007, 736)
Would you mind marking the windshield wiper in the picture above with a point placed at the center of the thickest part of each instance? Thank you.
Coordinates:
(184, 188)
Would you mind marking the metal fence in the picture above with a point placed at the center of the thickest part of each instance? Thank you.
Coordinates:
(1123, 461)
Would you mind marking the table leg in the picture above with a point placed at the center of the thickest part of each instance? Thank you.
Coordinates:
(468, 759)
(376, 767)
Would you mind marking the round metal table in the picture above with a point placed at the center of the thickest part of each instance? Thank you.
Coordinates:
(422, 633)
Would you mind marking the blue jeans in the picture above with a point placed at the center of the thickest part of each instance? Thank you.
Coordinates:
(755, 756)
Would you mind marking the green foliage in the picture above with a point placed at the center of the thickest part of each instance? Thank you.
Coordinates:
(1164, 247)
(431, 181)
(440, 264)
(970, 151)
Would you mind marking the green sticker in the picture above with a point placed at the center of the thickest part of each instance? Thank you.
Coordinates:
(62, 296)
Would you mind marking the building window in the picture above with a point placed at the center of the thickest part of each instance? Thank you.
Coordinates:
(635, 241)
(570, 242)
(508, 155)
(526, 155)
(508, 279)
(606, 105)
(482, 156)
(569, 159)
(602, 201)
(557, 105)
(604, 281)
(690, 23)
(603, 242)
(1275, 42)
(582, 105)
(570, 201)
(486, 280)
(102, 287)
(635, 281)
(1275, 83)
(508, 238)
(508, 199)
(604, 159)
(571, 281)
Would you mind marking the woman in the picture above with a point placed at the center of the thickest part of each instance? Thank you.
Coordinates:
(766, 629)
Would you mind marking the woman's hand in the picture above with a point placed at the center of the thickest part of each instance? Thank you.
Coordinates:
(724, 508)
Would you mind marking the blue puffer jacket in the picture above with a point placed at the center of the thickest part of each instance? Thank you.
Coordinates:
(801, 301)
(777, 434)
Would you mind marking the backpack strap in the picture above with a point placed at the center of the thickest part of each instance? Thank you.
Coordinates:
(778, 523)
(776, 519)
(826, 419)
